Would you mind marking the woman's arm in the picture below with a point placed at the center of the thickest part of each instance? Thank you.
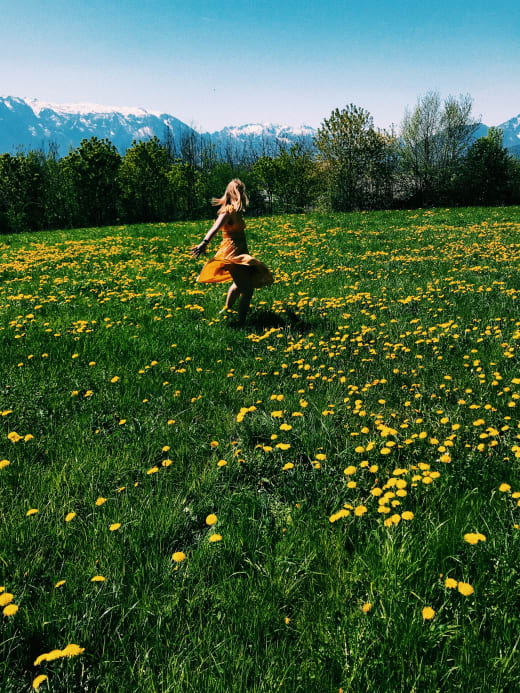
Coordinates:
(201, 247)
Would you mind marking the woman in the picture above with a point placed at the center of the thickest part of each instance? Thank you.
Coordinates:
(232, 261)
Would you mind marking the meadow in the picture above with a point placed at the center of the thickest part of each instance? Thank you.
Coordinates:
(326, 499)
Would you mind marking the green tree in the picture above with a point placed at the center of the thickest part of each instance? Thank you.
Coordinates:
(355, 159)
(489, 175)
(145, 193)
(92, 173)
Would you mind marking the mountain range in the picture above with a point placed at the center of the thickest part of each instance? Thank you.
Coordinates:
(33, 124)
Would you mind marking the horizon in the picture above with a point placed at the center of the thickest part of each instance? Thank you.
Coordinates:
(211, 64)
(120, 108)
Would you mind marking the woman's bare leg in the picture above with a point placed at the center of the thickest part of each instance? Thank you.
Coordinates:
(232, 295)
(242, 279)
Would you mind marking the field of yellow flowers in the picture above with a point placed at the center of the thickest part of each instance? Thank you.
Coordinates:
(324, 500)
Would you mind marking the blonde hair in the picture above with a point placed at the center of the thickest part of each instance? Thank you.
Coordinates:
(235, 196)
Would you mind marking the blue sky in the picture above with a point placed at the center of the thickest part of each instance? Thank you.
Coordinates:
(213, 64)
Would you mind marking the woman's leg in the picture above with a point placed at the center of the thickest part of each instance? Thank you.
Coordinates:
(242, 278)
(232, 295)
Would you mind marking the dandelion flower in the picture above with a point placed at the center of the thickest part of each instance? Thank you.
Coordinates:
(366, 607)
(4, 463)
(6, 598)
(101, 500)
(349, 470)
(59, 583)
(69, 517)
(98, 578)
(114, 526)
(215, 537)
(407, 515)
(38, 681)
(428, 613)
(31, 511)
(503, 487)
(360, 510)
(153, 470)
(450, 583)
(211, 519)
(114, 379)
(10, 610)
(465, 588)
(221, 463)
(283, 446)
(178, 556)
(14, 437)
(288, 465)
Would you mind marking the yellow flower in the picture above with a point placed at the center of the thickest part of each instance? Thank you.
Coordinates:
(32, 511)
(10, 610)
(114, 526)
(502, 487)
(4, 463)
(211, 519)
(320, 456)
(285, 427)
(407, 515)
(98, 578)
(215, 537)
(114, 379)
(14, 437)
(38, 681)
(59, 583)
(360, 510)
(366, 607)
(69, 517)
(153, 470)
(178, 556)
(276, 414)
(428, 613)
(349, 470)
(221, 463)
(450, 583)
(288, 465)
(214, 444)
(166, 463)
(283, 446)
(70, 650)
(101, 500)
(465, 588)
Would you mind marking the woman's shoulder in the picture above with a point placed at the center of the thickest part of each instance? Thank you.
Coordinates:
(227, 209)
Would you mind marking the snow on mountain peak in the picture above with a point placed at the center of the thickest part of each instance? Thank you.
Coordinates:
(38, 106)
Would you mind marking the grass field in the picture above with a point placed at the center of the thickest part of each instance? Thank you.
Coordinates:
(325, 499)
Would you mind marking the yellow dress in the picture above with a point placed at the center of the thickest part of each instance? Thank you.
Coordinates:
(233, 251)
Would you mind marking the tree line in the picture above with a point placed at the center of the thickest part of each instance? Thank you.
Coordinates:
(434, 159)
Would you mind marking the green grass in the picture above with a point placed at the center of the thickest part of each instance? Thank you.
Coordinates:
(379, 327)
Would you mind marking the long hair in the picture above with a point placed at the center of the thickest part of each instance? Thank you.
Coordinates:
(235, 196)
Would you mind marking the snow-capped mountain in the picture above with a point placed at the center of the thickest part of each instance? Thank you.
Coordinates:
(32, 124)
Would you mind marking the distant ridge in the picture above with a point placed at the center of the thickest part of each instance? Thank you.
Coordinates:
(31, 124)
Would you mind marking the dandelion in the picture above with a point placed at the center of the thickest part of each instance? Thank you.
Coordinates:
(465, 588)
(211, 519)
(287, 620)
(100, 501)
(6, 598)
(153, 470)
(114, 526)
(10, 610)
(450, 583)
(366, 607)
(407, 515)
(4, 463)
(31, 511)
(283, 446)
(221, 463)
(348, 471)
(114, 379)
(69, 517)
(98, 578)
(428, 613)
(503, 487)
(59, 584)
(70, 650)
(38, 681)
(214, 444)
(360, 510)
(14, 437)
(215, 537)
(288, 465)
(166, 463)
(285, 427)
(178, 556)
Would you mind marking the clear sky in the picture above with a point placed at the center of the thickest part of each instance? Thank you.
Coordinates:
(232, 62)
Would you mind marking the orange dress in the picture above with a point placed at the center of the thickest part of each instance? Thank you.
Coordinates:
(233, 251)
